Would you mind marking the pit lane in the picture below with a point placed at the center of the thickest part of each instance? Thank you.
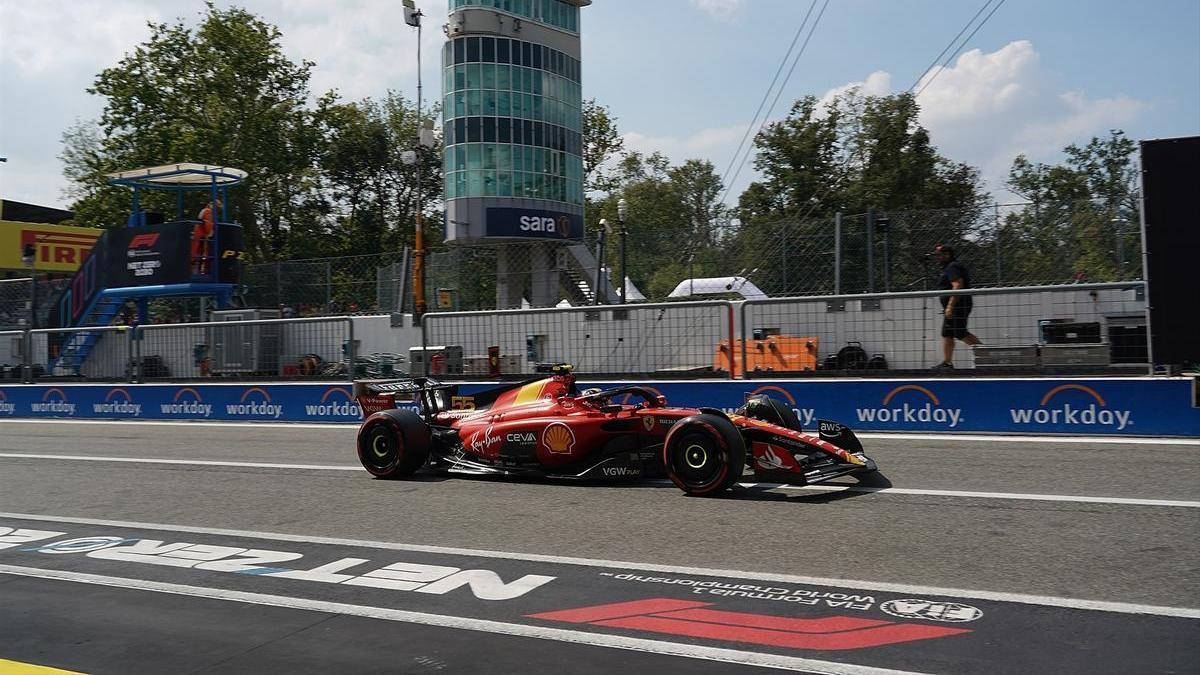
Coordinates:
(1112, 581)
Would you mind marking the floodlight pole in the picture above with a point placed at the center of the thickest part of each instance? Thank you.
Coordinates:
(622, 212)
(413, 18)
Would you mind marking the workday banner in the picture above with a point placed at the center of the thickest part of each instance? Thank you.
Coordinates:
(195, 402)
(1116, 406)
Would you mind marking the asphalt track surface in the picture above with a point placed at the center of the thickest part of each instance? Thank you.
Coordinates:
(987, 555)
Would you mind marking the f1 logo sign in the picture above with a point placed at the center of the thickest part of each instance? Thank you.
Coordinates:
(694, 619)
(144, 240)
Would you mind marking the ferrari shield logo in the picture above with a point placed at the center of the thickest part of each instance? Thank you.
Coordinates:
(648, 422)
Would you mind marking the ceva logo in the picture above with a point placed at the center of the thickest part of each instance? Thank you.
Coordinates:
(336, 402)
(6, 408)
(1095, 413)
(53, 401)
(118, 402)
(806, 415)
(255, 402)
(921, 406)
(186, 403)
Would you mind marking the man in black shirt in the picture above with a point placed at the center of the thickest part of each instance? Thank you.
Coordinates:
(955, 308)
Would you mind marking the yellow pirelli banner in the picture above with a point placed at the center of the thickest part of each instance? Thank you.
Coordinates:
(60, 248)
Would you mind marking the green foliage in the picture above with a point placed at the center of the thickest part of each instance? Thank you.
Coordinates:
(324, 178)
(1083, 222)
(674, 222)
(601, 142)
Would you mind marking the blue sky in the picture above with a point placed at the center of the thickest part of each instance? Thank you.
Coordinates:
(683, 76)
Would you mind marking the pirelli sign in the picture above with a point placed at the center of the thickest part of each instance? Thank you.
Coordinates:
(60, 248)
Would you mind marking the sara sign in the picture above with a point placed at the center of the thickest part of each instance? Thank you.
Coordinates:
(533, 224)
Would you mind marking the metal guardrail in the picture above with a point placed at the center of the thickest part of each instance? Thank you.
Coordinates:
(886, 323)
(669, 339)
(306, 348)
(278, 349)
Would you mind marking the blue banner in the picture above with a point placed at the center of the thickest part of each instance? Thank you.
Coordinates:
(533, 223)
(1116, 406)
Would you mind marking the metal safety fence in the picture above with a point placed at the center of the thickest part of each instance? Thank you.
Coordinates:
(661, 340)
(1051, 329)
(278, 349)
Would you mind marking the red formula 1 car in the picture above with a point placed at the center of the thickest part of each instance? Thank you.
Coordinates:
(549, 428)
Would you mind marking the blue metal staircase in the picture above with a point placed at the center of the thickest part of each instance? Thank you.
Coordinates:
(75, 349)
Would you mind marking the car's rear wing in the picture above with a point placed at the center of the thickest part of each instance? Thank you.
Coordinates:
(428, 394)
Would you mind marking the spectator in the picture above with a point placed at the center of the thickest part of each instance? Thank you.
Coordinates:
(201, 235)
(955, 308)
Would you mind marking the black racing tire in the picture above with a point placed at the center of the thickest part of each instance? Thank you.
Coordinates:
(704, 455)
(393, 443)
(772, 410)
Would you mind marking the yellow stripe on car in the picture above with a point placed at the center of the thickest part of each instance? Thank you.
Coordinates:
(530, 393)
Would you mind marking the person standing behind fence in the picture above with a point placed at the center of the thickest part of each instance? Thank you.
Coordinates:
(955, 308)
(201, 234)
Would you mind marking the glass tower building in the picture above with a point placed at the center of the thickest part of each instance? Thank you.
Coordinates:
(512, 121)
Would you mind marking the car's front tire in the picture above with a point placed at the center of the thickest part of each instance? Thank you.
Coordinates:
(704, 455)
(393, 443)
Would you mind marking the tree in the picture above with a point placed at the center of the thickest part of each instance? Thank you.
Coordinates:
(674, 219)
(1082, 219)
(851, 154)
(372, 191)
(222, 92)
(601, 143)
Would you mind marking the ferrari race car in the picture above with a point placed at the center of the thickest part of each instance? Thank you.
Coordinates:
(549, 428)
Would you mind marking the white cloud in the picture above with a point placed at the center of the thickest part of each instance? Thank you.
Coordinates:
(718, 8)
(703, 143)
(878, 83)
(987, 108)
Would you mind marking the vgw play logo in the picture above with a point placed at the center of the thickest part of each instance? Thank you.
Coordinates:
(921, 406)
(54, 401)
(337, 403)
(255, 402)
(1086, 408)
(118, 402)
(186, 403)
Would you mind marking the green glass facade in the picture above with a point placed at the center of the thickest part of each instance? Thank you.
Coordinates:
(512, 121)
(550, 12)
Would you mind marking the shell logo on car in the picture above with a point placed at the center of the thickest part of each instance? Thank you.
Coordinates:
(558, 438)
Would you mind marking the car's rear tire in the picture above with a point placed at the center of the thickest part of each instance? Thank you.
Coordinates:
(393, 443)
(704, 455)
(772, 410)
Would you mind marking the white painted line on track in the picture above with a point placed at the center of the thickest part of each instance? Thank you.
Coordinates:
(827, 487)
(998, 596)
(660, 647)
(905, 436)
(185, 462)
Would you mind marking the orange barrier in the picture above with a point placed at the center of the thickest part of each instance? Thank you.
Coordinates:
(776, 354)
